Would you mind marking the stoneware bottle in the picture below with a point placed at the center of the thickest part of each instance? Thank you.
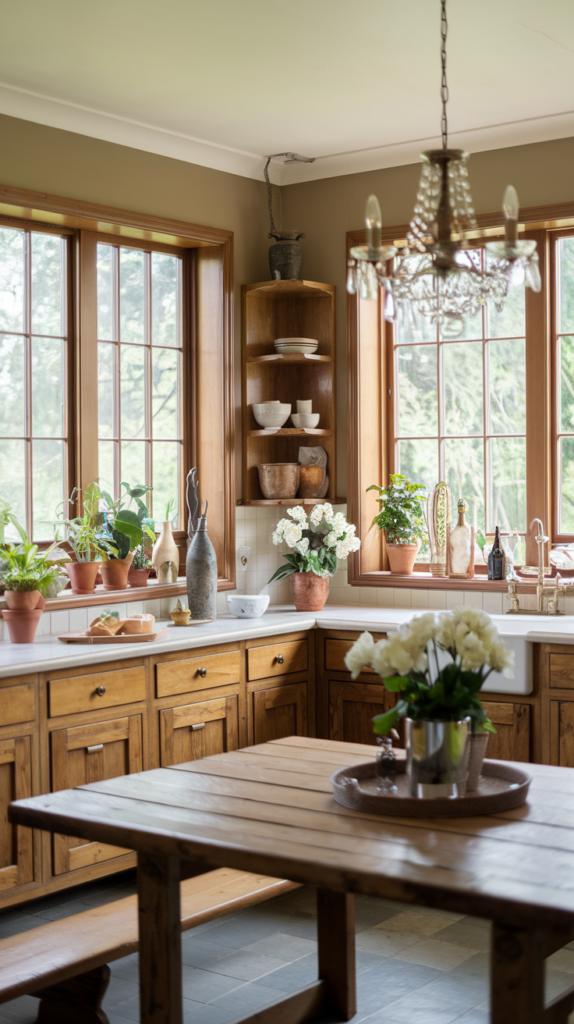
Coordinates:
(165, 556)
(201, 573)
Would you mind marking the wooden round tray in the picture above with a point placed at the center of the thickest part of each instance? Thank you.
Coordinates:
(500, 788)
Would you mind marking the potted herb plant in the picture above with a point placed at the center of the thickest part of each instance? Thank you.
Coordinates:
(437, 665)
(318, 541)
(122, 531)
(82, 536)
(25, 581)
(402, 516)
(140, 568)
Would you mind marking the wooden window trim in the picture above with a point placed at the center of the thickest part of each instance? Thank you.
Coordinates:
(210, 407)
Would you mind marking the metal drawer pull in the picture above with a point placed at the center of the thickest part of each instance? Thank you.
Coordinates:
(279, 659)
(202, 672)
(95, 748)
(199, 725)
(100, 690)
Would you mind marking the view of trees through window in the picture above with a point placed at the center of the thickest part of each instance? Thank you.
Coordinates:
(460, 410)
(565, 389)
(33, 378)
(140, 371)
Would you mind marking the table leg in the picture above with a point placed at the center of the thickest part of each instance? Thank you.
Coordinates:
(159, 940)
(517, 975)
(336, 937)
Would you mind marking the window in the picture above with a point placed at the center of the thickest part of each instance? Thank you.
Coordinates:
(140, 345)
(34, 360)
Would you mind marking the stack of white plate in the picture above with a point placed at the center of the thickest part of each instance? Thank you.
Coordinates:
(305, 345)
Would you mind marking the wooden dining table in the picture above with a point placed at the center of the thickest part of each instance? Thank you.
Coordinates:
(269, 809)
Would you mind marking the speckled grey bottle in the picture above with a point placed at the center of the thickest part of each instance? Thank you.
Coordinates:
(201, 573)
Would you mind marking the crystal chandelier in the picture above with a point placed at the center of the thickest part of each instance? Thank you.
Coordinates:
(435, 273)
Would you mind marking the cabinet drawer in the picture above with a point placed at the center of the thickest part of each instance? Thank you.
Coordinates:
(335, 651)
(562, 671)
(200, 673)
(16, 704)
(97, 691)
(277, 659)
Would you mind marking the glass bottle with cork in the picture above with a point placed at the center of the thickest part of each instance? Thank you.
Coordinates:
(496, 559)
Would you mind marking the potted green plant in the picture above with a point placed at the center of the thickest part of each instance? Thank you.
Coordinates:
(25, 581)
(82, 536)
(140, 568)
(122, 530)
(402, 517)
(7, 518)
(318, 541)
(436, 665)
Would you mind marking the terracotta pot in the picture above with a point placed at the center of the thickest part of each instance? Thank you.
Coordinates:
(115, 572)
(22, 600)
(22, 625)
(83, 576)
(138, 577)
(279, 479)
(309, 591)
(478, 742)
(311, 480)
(402, 558)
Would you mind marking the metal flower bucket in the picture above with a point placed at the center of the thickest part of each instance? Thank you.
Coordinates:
(437, 758)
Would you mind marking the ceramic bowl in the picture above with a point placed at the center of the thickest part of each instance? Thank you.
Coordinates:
(247, 606)
(278, 480)
(305, 419)
(305, 345)
(267, 417)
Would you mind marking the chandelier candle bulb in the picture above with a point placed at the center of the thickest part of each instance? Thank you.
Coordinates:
(510, 209)
(374, 221)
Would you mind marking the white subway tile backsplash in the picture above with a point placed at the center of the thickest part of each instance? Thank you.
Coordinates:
(78, 619)
(493, 603)
(437, 600)
(402, 597)
(60, 622)
(419, 598)
(454, 599)
(473, 599)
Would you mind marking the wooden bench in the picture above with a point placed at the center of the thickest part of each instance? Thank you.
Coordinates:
(65, 963)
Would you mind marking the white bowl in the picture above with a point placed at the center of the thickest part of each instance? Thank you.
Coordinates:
(306, 345)
(305, 419)
(267, 417)
(247, 606)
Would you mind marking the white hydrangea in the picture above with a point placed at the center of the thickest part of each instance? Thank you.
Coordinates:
(501, 659)
(320, 513)
(279, 532)
(302, 546)
(331, 539)
(345, 547)
(298, 513)
(360, 654)
(292, 534)
(339, 524)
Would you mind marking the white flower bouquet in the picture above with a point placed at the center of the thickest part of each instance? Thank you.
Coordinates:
(318, 541)
(437, 664)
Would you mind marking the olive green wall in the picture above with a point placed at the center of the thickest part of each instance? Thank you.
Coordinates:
(326, 209)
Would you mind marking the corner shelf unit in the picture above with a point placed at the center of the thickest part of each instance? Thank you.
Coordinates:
(286, 309)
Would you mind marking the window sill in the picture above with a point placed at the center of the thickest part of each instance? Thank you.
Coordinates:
(424, 581)
(153, 591)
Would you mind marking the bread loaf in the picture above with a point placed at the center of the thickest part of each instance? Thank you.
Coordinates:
(138, 624)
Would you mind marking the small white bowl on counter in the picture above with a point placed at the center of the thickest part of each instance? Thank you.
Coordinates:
(247, 606)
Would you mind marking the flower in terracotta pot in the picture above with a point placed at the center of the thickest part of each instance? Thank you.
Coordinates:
(318, 541)
(122, 531)
(401, 515)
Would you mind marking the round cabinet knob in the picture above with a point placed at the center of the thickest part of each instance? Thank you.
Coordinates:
(100, 690)
(202, 672)
(279, 659)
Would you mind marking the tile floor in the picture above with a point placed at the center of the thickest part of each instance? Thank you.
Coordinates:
(414, 966)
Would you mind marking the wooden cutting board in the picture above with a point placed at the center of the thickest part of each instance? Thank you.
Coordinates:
(131, 638)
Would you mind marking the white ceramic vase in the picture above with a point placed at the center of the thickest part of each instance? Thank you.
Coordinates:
(165, 556)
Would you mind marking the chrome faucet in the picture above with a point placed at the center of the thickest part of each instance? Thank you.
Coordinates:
(546, 592)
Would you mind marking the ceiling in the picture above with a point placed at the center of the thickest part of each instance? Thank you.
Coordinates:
(222, 83)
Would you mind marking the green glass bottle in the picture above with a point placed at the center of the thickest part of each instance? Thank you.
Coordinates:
(496, 559)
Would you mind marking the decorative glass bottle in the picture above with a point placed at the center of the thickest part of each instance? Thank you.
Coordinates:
(461, 546)
(496, 559)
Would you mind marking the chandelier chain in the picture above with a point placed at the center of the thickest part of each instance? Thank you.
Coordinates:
(444, 85)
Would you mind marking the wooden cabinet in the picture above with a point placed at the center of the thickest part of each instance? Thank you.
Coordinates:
(562, 733)
(277, 659)
(90, 753)
(96, 691)
(198, 730)
(352, 707)
(512, 739)
(187, 675)
(16, 843)
(279, 711)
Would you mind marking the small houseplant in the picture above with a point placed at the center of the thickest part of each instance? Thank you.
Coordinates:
(121, 532)
(165, 554)
(82, 536)
(437, 665)
(140, 568)
(25, 581)
(402, 516)
(318, 541)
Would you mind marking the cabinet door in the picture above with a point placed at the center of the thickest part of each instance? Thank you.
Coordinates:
(90, 753)
(279, 711)
(511, 741)
(198, 730)
(16, 853)
(562, 733)
(352, 707)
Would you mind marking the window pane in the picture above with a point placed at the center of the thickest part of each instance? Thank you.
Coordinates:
(417, 391)
(418, 461)
(48, 486)
(166, 476)
(133, 391)
(507, 489)
(566, 418)
(510, 322)
(165, 299)
(165, 393)
(464, 472)
(566, 503)
(106, 476)
(11, 279)
(133, 462)
(566, 284)
(106, 353)
(47, 387)
(462, 372)
(13, 462)
(48, 295)
(508, 386)
(11, 387)
(106, 293)
(132, 301)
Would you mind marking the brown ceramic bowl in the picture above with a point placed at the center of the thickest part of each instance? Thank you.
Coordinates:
(311, 481)
(279, 479)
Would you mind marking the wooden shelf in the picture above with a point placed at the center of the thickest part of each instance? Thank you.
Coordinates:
(290, 357)
(299, 288)
(290, 432)
(291, 502)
